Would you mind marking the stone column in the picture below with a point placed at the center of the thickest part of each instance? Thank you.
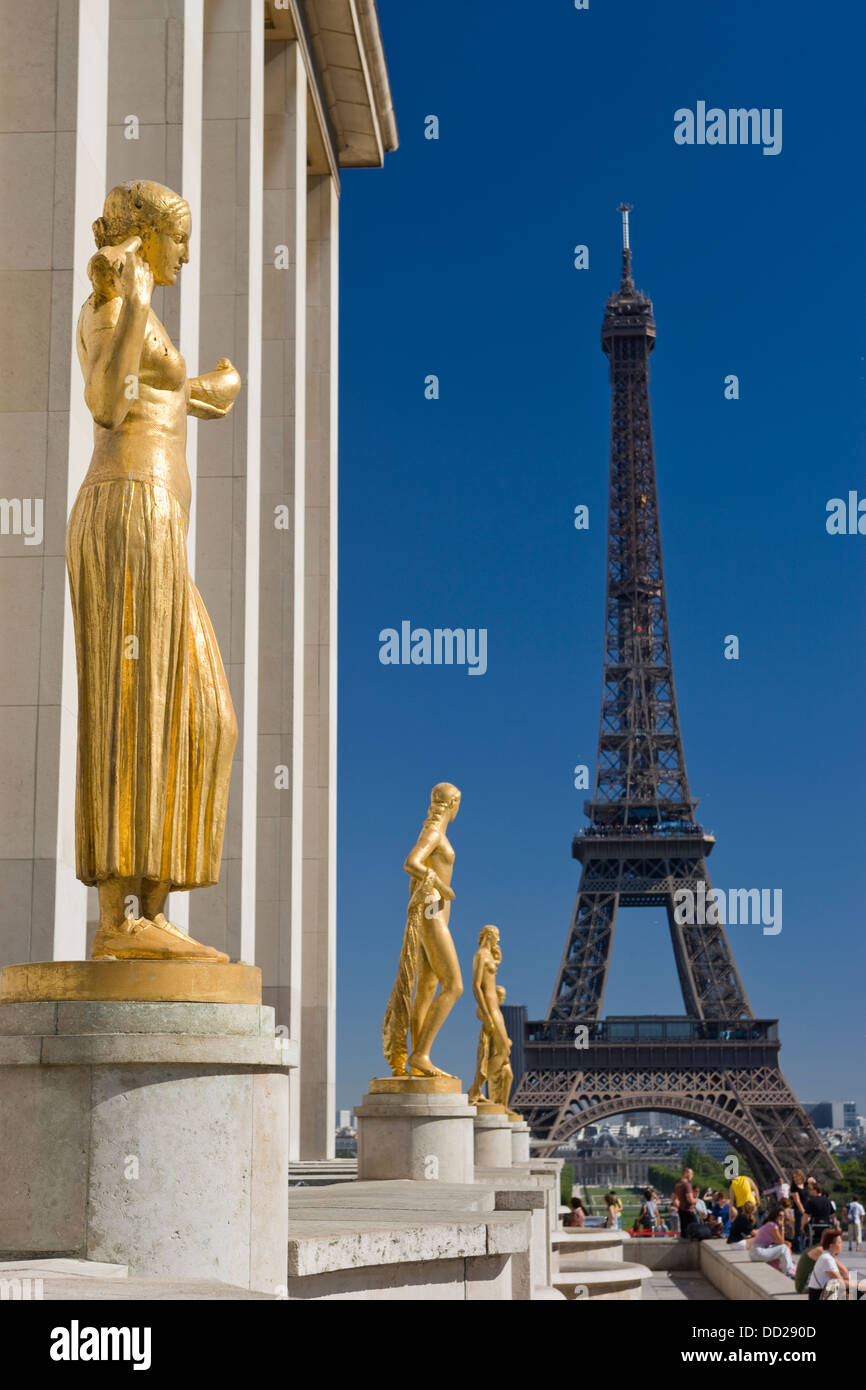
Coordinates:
(318, 956)
(52, 138)
(281, 591)
(222, 536)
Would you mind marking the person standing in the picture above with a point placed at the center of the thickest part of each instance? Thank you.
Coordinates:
(648, 1217)
(798, 1197)
(674, 1215)
(578, 1213)
(855, 1213)
(819, 1210)
(614, 1211)
(743, 1190)
(684, 1195)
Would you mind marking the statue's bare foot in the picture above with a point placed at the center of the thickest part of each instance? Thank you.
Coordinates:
(138, 938)
(420, 1065)
(160, 920)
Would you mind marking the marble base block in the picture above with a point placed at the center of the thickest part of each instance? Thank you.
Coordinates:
(492, 1140)
(519, 1141)
(415, 1135)
(152, 1135)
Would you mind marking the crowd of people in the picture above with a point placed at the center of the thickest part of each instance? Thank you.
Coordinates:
(643, 828)
(795, 1217)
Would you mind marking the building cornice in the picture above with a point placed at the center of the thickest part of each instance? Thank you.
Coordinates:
(343, 49)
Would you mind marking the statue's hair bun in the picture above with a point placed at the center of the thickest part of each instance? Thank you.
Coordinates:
(132, 207)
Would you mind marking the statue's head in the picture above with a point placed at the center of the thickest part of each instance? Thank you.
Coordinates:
(445, 800)
(489, 937)
(159, 217)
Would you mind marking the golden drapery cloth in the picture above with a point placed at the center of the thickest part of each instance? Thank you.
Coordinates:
(156, 726)
(396, 1023)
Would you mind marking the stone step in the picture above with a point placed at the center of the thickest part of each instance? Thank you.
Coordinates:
(594, 1247)
(622, 1282)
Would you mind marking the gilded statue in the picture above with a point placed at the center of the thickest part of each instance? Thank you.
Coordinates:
(493, 1064)
(156, 726)
(428, 958)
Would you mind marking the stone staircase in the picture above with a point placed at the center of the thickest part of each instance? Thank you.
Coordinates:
(589, 1265)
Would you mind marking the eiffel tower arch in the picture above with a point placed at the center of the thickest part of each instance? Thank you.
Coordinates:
(643, 847)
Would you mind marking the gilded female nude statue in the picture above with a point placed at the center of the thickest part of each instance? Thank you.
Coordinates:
(156, 727)
(428, 959)
(494, 1045)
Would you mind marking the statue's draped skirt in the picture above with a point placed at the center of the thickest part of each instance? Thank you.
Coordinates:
(156, 727)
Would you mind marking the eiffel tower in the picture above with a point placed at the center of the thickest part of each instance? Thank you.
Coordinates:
(718, 1064)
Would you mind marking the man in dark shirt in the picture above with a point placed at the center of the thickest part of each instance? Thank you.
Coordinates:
(819, 1212)
(685, 1195)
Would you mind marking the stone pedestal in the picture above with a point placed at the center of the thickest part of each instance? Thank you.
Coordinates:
(492, 1136)
(420, 1128)
(153, 1135)
(519, 1141)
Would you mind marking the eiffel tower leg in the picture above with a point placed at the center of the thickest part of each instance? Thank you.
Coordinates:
(580, 985)
(709, 978)
(789, 1136)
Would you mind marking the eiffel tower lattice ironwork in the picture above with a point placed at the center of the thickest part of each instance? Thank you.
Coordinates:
(718, 1064)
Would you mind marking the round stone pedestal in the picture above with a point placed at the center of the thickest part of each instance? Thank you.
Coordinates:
(415, 1133)
(153, 1135)
(519, 1141)
(492, 1137)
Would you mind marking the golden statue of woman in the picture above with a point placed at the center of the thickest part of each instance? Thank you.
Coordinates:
(428, 959)
(494, 1045)
(156, 727)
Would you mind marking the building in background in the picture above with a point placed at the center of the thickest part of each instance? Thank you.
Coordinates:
(250, 109)
(833, 1114)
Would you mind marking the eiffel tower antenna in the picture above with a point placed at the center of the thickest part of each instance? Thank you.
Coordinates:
(625, 209)
(643, 847)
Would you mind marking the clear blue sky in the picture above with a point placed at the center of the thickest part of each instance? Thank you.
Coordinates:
(457, 260)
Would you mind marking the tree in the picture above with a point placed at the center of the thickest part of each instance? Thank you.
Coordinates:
(566, 1184)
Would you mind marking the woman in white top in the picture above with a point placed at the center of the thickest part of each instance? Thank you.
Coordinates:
(828, 1265)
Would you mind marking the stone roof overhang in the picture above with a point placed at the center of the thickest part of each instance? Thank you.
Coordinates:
(342, 46)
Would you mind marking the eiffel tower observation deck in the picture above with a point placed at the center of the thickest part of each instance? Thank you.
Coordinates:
(643, 846)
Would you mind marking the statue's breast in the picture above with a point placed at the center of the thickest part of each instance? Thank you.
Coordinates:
(162, 366)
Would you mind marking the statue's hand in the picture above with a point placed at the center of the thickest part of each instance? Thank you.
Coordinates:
(220, 386)
(134, 275)
(226, 379)
(112, 270)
